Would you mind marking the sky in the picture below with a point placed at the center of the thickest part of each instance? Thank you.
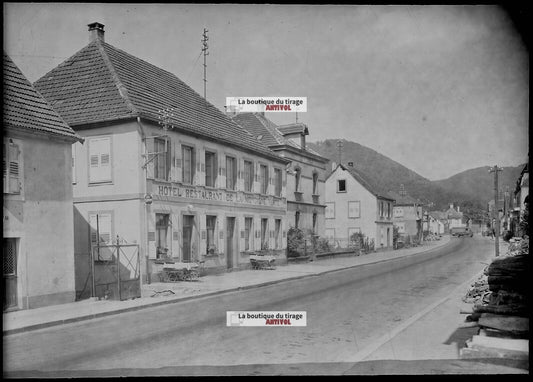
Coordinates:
(439, 89)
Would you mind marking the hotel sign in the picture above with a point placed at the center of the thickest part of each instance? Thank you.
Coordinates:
(217, 195)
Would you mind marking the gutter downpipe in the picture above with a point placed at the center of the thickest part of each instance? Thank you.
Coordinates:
(147, 206)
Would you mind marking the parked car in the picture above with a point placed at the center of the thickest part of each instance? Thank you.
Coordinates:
(461, 231)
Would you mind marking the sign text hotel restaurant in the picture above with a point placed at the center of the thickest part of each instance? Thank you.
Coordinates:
(199, 192)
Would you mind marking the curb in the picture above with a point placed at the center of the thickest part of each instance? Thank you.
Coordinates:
(187, 298)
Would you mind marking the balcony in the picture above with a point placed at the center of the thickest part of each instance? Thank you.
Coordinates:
(298, 196)
(316, 199)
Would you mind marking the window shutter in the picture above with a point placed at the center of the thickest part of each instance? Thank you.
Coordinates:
(14, 178)
(100, 159)
(150, 148)
(104, 228)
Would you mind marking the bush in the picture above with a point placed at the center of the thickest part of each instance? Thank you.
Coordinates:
(295, 242)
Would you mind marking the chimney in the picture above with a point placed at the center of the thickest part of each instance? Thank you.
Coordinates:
(96, 32)
(458, 210)
(333, 166)
(350, 164)
(302, 141)
(451, 206)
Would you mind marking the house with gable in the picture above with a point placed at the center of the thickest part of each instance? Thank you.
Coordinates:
(38, 237)
(407, 213)
(454, 217)
(162, 168)
(354, 204)
(306, 174)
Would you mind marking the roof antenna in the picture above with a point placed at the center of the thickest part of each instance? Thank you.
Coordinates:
(206, 53)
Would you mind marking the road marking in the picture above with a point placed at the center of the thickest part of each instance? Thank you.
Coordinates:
(389, 336)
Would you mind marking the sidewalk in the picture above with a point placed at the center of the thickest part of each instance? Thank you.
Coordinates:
(159, 293)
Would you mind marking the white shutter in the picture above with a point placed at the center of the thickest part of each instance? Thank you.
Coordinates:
(100, 160)
(14, 168)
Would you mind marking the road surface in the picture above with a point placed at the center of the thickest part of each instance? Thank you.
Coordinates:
(346, 311)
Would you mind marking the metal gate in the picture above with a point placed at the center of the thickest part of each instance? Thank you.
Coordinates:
(9, 255)
(116, 271)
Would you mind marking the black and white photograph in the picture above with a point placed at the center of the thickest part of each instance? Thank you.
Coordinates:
(210, 190)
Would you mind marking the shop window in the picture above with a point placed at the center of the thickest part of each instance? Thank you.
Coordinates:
(100, 160)
(210, 169)
(248, 175)
(277, 233)
(210, 223)
(277, 181)
(264, 236)
(188, 164)
(11, 163)
(231, 173)
(248, 234)
(162, 225)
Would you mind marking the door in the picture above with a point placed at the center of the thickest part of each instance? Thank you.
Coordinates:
(10, 273)
(230, 229)
(188, 222)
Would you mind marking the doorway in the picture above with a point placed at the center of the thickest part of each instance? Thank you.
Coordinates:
(230, 230)
(10, 273)
(188, 223)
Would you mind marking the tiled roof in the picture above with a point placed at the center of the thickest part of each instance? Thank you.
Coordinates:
(403, 200)
(452, 213)
(267, 131)
(25, 108)
(102, 83)
(370, 186)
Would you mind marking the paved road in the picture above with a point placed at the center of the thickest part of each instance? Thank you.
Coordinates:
(346, 311)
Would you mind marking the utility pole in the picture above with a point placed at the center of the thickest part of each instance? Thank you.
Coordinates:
(339, 146)
(206, 53)
(495, 170)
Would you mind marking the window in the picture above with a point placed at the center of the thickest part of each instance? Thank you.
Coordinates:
(264, 236)
(248, 175)
(263, 178)
(231, 173)
(188, 164)
(381, 209)
(277, 181)
(277, 233)
(341, 185)
(248, 237)
(161, 232)
(314, 222)
(162, 159)
(315, 183)
(354, 209)
(398, 212)
(73, 163)
(11, 162)
(100, 160)
(210, 223)
(330, 210)
(210, 169)
(297, 179)
(100, 222)
(296, 219)
(388, 210)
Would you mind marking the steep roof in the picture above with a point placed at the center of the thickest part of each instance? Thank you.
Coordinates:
(267, 131)
(26, 109)
(369, 185)
(403, 200)
(452, 213)
(101, 83)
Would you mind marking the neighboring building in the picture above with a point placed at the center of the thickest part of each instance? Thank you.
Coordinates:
(353, 205)
(407, 213)
(204, 189)
(435, 223)
(306, 175)
(518, 202)
(38, 238)
(454, 217)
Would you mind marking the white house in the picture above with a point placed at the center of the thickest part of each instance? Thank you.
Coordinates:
(353, 205)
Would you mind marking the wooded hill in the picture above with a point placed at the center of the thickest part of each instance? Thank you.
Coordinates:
(469, 188)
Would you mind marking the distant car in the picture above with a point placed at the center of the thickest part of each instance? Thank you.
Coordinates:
(461, 231)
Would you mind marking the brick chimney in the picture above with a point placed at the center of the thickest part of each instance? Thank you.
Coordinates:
(96, 32)
(350, 164)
